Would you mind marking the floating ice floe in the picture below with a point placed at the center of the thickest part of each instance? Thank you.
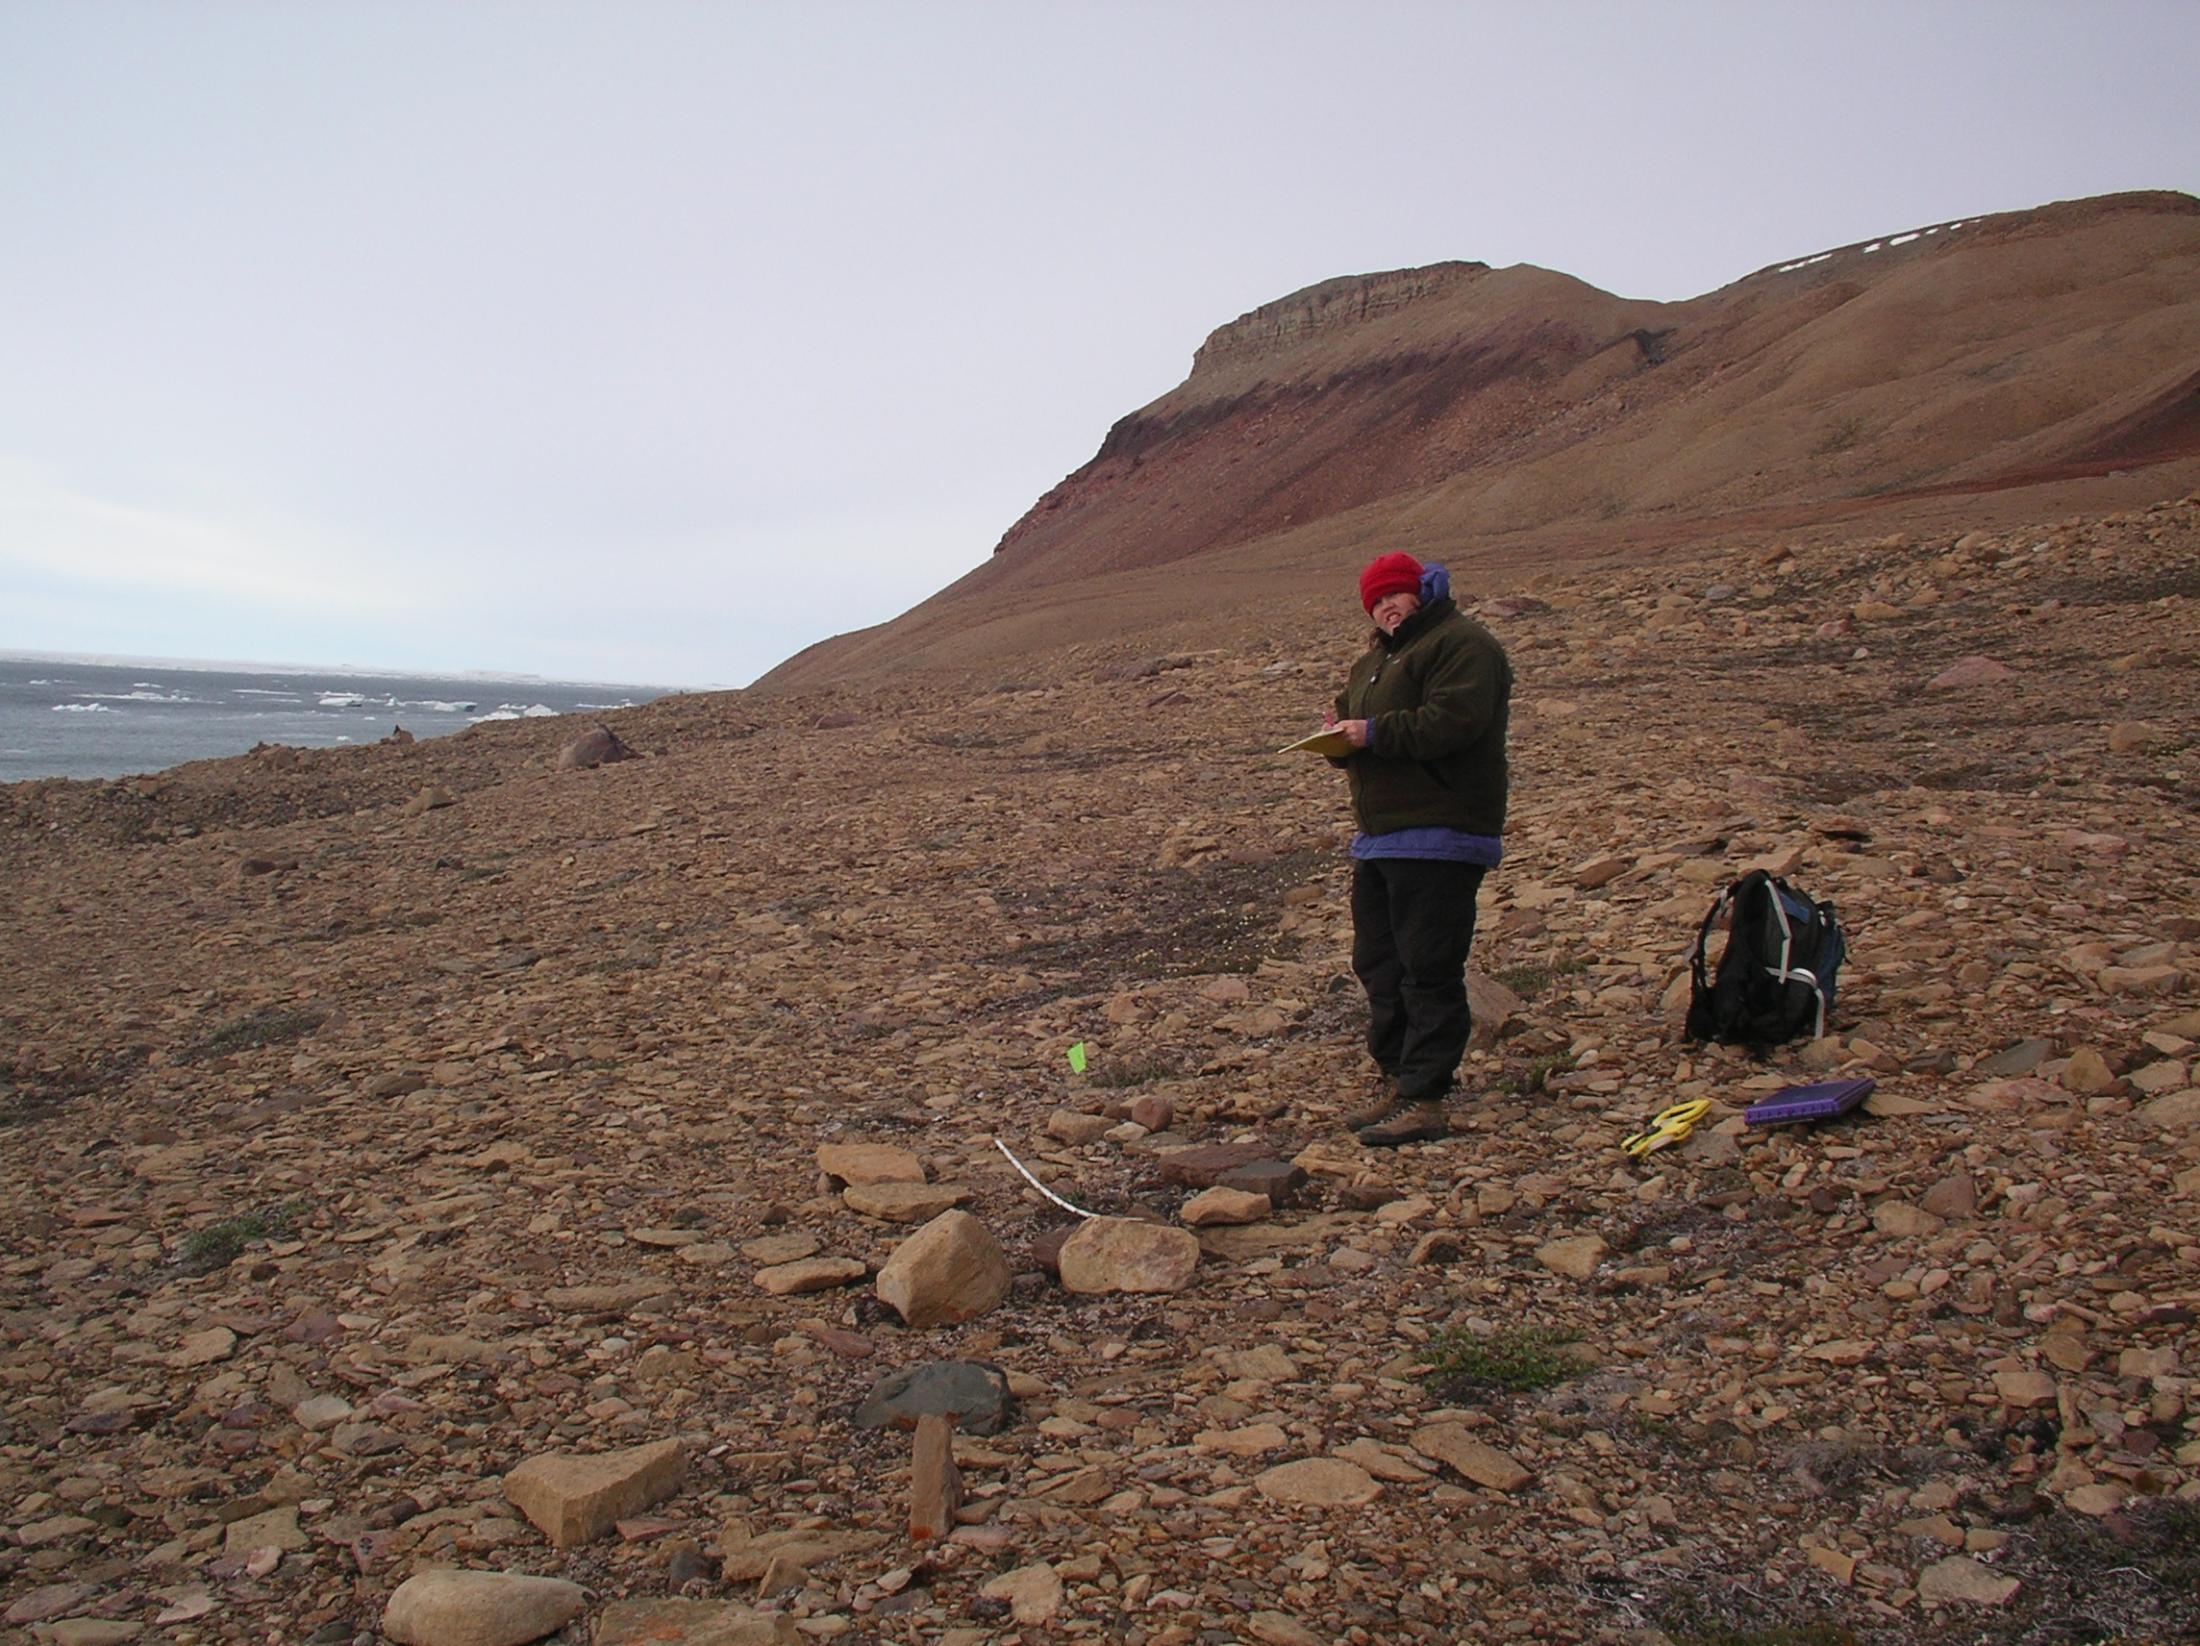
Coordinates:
(430, 705)
(343, 700)
(147, 696)
(83, 708)
(533, 711)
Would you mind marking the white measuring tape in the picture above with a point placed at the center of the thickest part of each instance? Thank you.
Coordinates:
(1041, 1187)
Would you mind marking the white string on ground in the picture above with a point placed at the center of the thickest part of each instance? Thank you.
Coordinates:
(1041, 1187)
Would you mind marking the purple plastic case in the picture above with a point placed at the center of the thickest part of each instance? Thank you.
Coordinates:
(1819, 1102)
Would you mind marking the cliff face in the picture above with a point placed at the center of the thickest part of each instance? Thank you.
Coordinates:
(1946, 353)
(1444, 408)
(1335, 397)
(1332, 306)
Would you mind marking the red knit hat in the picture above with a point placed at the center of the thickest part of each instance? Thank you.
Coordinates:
(1389, 574)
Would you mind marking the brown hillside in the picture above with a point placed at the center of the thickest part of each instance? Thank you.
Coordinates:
(1512, 419)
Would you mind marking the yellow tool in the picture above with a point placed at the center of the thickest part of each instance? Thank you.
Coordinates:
(1673, 1126)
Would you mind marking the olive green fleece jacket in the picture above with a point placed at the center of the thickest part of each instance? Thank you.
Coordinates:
(1436, 696)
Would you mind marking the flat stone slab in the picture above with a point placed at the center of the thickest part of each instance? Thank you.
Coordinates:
(2019, 1059)
(904, 1202)
(1245, 1242)
(791, 1247)
(1453, 1446)
(1319, 1483)
(1576, 1256)
(692, 1623)
(623, 1294)
(576, 1499)
(1202, 1167)
(810, 1274)
(1033, 1593)
(1961, 1580)
(745, 1555)
(2174, 1111)
(706, 1254)
(275, 1529)
(972, 1392)
(1219, 1206)
(1279, 1180)
(1074, 1127)
(321, 1411)
(869, 1163)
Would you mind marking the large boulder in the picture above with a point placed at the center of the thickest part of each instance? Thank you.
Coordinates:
(1120, 1254)
(600, 747)
(950, 1270)
(454, 1608)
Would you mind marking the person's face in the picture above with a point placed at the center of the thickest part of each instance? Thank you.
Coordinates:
(1394, 609)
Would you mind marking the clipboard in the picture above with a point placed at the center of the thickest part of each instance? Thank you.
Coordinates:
(1821, 1101)
(1328, 741)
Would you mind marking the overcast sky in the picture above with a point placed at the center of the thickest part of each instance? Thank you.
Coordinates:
(650, 342)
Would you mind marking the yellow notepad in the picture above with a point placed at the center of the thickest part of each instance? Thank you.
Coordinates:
(1329, 740)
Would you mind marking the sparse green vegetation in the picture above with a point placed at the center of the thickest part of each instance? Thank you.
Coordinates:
(1535, 1076)
(219, 1244)
(1530, 979)
(270, 1026)
(1132, 1071)
(1463, 1363)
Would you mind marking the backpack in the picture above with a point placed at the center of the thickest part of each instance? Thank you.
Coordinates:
(1776, 976)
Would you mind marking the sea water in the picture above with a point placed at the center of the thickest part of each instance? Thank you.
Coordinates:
(108, 719)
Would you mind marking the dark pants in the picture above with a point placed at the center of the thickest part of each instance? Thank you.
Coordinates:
(1412, 924)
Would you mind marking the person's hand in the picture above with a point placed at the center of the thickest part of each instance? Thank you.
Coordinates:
(1329, 720)
(1355, 732)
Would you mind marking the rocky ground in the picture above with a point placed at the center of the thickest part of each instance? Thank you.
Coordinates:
(360, 1148)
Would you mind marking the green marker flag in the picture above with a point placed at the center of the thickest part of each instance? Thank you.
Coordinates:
(1077, 1058)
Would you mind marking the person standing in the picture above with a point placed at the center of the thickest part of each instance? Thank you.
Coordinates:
(1425, 713)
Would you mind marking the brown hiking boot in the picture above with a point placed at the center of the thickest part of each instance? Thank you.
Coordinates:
(1412, 1123)
(1377, 1109)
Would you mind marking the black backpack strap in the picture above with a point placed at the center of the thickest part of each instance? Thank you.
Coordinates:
(1780, 891)
(1696, 969)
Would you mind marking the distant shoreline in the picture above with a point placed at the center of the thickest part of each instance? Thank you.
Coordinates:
(210, 665)
(96, 720)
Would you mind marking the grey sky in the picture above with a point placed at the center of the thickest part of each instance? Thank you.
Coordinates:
(652, 342)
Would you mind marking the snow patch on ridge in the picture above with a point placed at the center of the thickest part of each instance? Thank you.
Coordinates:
(1866, 248)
